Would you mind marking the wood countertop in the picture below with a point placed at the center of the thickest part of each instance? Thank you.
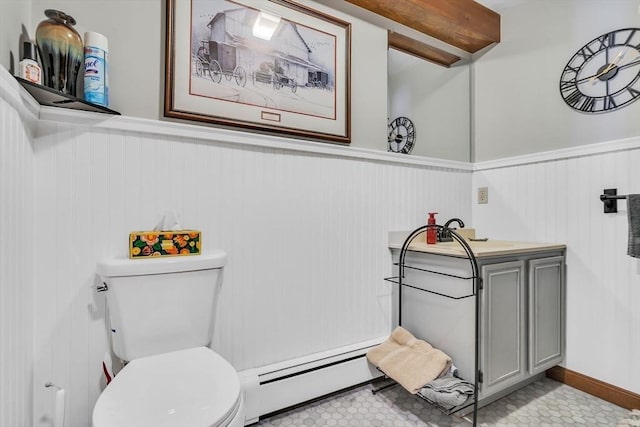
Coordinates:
(480, 249)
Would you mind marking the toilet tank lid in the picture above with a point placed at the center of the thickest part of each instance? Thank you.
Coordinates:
(118, 267)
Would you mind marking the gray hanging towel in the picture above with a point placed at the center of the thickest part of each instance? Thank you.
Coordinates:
(633, 212)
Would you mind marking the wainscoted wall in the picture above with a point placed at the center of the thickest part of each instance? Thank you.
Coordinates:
(16, 267)
(305, 230)
(554, 197)
(306, 234)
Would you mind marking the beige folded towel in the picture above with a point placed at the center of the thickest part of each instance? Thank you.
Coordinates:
(411, 362)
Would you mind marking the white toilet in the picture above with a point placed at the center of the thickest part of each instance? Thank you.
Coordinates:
(161, 314)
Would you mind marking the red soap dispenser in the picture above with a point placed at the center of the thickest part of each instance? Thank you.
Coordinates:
(432, 232)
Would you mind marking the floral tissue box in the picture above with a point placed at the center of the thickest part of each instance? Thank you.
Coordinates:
(144, 244)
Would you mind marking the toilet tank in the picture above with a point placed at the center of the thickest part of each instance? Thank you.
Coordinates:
(158, 305)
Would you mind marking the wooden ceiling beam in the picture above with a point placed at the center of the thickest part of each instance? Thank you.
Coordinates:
(464, 24)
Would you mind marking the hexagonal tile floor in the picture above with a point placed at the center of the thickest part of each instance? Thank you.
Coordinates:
(543, 403)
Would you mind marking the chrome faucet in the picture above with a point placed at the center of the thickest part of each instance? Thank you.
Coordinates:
(445, 234)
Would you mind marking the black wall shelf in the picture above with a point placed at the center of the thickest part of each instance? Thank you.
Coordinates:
(53, 98)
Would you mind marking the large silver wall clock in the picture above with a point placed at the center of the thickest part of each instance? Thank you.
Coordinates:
(604, 74)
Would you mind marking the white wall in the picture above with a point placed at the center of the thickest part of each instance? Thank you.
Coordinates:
(17, 261)
(553, 196)
(306, 232)
(517, 104)
(94, 185)
(557, 200)
(15, 14)
(437, 100)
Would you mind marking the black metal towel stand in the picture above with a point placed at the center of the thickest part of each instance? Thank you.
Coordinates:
(477, 285)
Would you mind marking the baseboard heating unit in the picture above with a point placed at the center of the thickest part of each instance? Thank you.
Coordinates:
(271, 388)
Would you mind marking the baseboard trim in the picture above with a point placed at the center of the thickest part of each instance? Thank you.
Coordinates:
(610, 393)
(282, 385)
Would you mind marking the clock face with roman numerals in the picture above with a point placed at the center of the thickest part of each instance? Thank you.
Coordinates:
(604, 75)
(402, 135)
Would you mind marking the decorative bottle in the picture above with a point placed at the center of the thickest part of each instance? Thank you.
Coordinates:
(28, 67)
(432, 232)
(61, 51)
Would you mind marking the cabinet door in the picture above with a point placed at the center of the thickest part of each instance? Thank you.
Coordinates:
(503, 329)
(546, 313)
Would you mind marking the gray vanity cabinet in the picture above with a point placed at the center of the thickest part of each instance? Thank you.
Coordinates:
(546, 313)
(521, 309)
(522, 321)
(503, 331)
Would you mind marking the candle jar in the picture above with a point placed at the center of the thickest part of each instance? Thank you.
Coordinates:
(61, 51)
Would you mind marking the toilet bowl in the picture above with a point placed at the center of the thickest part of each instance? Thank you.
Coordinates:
(186, 388)
(161, 318)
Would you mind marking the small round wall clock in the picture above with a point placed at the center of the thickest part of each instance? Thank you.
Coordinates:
(604, 74)
(402, 135)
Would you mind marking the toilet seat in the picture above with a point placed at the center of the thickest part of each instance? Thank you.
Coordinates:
(194, 387)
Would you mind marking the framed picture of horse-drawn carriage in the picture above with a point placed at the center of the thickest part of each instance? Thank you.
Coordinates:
(265, 65)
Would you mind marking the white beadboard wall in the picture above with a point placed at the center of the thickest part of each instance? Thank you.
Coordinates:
(555, 198)
(305, 231)
(306, 235)
(16, 268)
